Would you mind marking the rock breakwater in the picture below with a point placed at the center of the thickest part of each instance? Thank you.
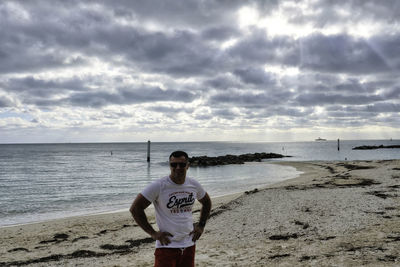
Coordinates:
(205, 161)
(374, 147)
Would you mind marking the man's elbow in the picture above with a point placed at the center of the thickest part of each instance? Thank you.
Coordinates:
(139, 205)
(206, 201)
(132, 210)
(135, 210)
(209, 204)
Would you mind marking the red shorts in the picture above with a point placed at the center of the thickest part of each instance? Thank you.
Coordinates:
(174, 257)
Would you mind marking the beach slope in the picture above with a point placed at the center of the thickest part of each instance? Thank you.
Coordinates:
(334, 214)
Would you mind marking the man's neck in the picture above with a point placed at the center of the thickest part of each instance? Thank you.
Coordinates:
(177, 180)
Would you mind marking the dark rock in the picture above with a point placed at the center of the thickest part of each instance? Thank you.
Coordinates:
(367, 182)
(327, 238)
(379, 194)
(394, 238)
(375, 212)
(355, 167)
(18, 249)
(307, 258)
(374, 147)
(330, 169)
(357, 182)
(61, 236)
(305, 225)
(283, 237)
(56, 239)
(114, 247)
(78, 254)
(389, 258)
(278, 256)
(84, 254)
(204, 161)
(305, 209)
(102, 232)
(251, 192)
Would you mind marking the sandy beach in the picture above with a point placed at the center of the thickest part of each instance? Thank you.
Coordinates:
(334, 214)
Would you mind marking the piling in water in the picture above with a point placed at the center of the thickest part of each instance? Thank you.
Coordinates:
(148, 151)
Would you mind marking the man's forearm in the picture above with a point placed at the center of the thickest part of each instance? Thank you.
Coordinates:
(205, 210)
(141, 219)
(205, 213)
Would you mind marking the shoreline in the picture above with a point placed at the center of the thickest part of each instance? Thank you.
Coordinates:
(335, 212)
(96, 213)
(220, 198)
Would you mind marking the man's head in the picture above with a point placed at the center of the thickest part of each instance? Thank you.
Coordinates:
(178, 164)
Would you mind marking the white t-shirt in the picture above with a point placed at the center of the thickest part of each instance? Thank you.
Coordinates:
(173, 205)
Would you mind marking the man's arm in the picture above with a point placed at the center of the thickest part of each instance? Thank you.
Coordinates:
(204, 214)
(137, 211)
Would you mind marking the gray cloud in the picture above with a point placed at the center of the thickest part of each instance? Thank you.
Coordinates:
(392, 93)
(222, 82)
(146, 46)
(386, 11)
(5, 102)
(377, 108)
(312, 99)
(172, 13)
(127, 97)
(43, 88)
(254, 76)
(340, 54)
(203, 117)
(90, 31)
(228, 114)
(251, 100)
(170, 111)
(182, 52)
(44, 92)
(258, 48)
(220, 33)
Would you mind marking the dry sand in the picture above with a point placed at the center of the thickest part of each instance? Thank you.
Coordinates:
(334, 214)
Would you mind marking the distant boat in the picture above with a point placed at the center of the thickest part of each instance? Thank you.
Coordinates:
(320, 139)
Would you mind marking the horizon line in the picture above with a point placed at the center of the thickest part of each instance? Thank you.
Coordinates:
(208, 141)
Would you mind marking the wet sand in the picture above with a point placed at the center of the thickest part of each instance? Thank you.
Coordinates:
(334, 214)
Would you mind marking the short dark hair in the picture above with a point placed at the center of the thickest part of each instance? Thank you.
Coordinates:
(178, 154)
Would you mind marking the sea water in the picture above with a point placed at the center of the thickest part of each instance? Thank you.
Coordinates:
(48, 181)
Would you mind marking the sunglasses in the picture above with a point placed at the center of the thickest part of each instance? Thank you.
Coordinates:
(175, 164)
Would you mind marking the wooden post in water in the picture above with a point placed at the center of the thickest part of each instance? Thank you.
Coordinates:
(148, 151)
(338, 145)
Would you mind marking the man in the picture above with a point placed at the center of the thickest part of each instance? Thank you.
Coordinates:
(173, 197)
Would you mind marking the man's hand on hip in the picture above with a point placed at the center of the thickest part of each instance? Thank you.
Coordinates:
(197, 232)
(162, 237)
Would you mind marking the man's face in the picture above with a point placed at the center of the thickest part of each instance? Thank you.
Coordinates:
(178, 167)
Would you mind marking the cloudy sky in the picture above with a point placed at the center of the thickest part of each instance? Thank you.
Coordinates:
(199, 70)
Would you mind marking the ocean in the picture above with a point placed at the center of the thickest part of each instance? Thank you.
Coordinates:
(41, 182)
